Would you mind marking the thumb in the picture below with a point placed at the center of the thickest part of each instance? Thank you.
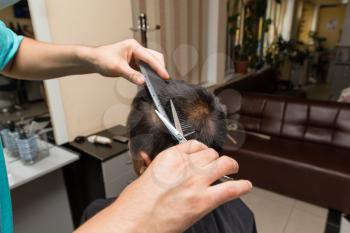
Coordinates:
(227, 191)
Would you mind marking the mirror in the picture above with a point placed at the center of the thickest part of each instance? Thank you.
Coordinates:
(20, 100)
(23, 107)
(304, 42)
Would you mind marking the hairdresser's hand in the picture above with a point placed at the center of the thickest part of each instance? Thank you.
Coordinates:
(119, 60)
(172, 194)
(36, 60)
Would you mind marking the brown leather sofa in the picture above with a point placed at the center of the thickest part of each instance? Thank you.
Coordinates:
(308, 155)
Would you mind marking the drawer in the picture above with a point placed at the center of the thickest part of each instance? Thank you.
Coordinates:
(114, 187)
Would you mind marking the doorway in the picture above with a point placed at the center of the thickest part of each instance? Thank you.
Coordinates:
(20, 100)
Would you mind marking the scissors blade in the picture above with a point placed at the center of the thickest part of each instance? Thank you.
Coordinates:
(176, 118)
(173, 131)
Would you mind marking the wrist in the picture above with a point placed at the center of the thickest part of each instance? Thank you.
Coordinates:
(86, 58)
(139, 217)
(118, 221)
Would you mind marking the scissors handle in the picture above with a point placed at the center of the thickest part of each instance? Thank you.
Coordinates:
(181, 139)
(225, 179)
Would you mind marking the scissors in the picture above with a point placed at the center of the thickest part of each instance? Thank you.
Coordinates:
(175, 131)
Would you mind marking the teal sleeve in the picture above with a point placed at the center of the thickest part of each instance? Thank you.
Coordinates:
(9, 44)
(6, 224)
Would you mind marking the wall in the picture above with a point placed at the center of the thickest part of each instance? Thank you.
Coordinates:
(91, 102)
(306, 21)
(330, 24)
(326, 2)
(345, 37)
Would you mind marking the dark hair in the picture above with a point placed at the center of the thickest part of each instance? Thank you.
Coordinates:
(195, 105)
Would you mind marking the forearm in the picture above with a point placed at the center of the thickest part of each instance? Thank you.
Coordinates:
(109, 220)
(37, 61)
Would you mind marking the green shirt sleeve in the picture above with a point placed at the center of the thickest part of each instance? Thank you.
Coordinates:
(9, 44)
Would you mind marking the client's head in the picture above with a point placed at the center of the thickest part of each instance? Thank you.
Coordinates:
(196, 107)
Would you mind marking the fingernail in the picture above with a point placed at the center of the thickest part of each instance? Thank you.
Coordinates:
(141, 79)
(250, 183)
(166, 74)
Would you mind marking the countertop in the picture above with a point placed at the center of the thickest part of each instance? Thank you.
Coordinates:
(20, 173)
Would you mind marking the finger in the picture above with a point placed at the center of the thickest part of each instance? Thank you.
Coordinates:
(220, 167)
(227, 191)
(131, 74)
(191, 146)
(143, 54)
(204, 157)
(158, 56)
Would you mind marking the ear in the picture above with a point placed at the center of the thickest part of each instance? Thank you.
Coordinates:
(141, 164)
(146, 159)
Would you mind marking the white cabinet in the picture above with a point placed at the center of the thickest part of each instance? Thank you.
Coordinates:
(39, 196)
(117, 172)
